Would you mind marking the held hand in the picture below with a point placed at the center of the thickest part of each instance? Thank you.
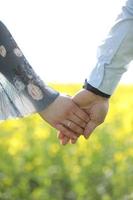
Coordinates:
(96, 107)
(64, 115)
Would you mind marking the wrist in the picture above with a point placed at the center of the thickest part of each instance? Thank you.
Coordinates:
(85, 97)
(94, 90)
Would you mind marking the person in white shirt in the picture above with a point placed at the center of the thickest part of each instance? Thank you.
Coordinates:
(113, 57)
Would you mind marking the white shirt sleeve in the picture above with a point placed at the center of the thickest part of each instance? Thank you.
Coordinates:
(115, 53)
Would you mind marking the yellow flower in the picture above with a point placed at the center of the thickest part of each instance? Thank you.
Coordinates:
(118, 157)
(54, 148)
(129, 152)
(15, 145)
(41, 133)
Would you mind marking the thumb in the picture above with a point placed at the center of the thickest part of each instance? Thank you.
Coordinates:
(89, 129)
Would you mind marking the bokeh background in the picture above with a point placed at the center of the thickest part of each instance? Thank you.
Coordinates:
(35, 166)
(60, 38)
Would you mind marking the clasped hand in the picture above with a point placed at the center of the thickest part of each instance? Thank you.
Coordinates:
(77, 115)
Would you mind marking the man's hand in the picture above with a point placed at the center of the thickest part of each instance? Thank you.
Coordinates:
(96, 107)
(64, 115)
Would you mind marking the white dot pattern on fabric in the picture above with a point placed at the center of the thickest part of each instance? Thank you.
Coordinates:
(18, 52)
(2, 51)
(35, 91)
(21, 89)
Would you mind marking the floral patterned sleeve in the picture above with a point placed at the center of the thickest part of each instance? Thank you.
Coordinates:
(22, 92)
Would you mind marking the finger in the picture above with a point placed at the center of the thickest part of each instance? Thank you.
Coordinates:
(73, 141)
(77, 120)
(89, 129)
(81, 113)
(65, 140)
(73, 127)
(65, 131)
(60, 135)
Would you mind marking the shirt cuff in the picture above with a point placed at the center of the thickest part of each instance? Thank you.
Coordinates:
(89, 87)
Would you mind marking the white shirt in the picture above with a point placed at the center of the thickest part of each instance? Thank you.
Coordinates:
(115, 53)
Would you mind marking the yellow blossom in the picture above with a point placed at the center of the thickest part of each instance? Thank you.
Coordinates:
(118, 157)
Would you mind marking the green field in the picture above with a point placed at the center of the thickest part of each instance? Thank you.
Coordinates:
(34, 166)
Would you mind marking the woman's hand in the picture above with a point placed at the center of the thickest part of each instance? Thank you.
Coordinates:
(64, 115)
(96, 107)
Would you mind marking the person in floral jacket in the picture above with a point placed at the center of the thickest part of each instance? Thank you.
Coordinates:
(22, 92)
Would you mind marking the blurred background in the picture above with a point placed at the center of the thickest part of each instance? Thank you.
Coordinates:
(60, 38)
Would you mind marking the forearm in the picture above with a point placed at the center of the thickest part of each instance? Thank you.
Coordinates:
(114, 54)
